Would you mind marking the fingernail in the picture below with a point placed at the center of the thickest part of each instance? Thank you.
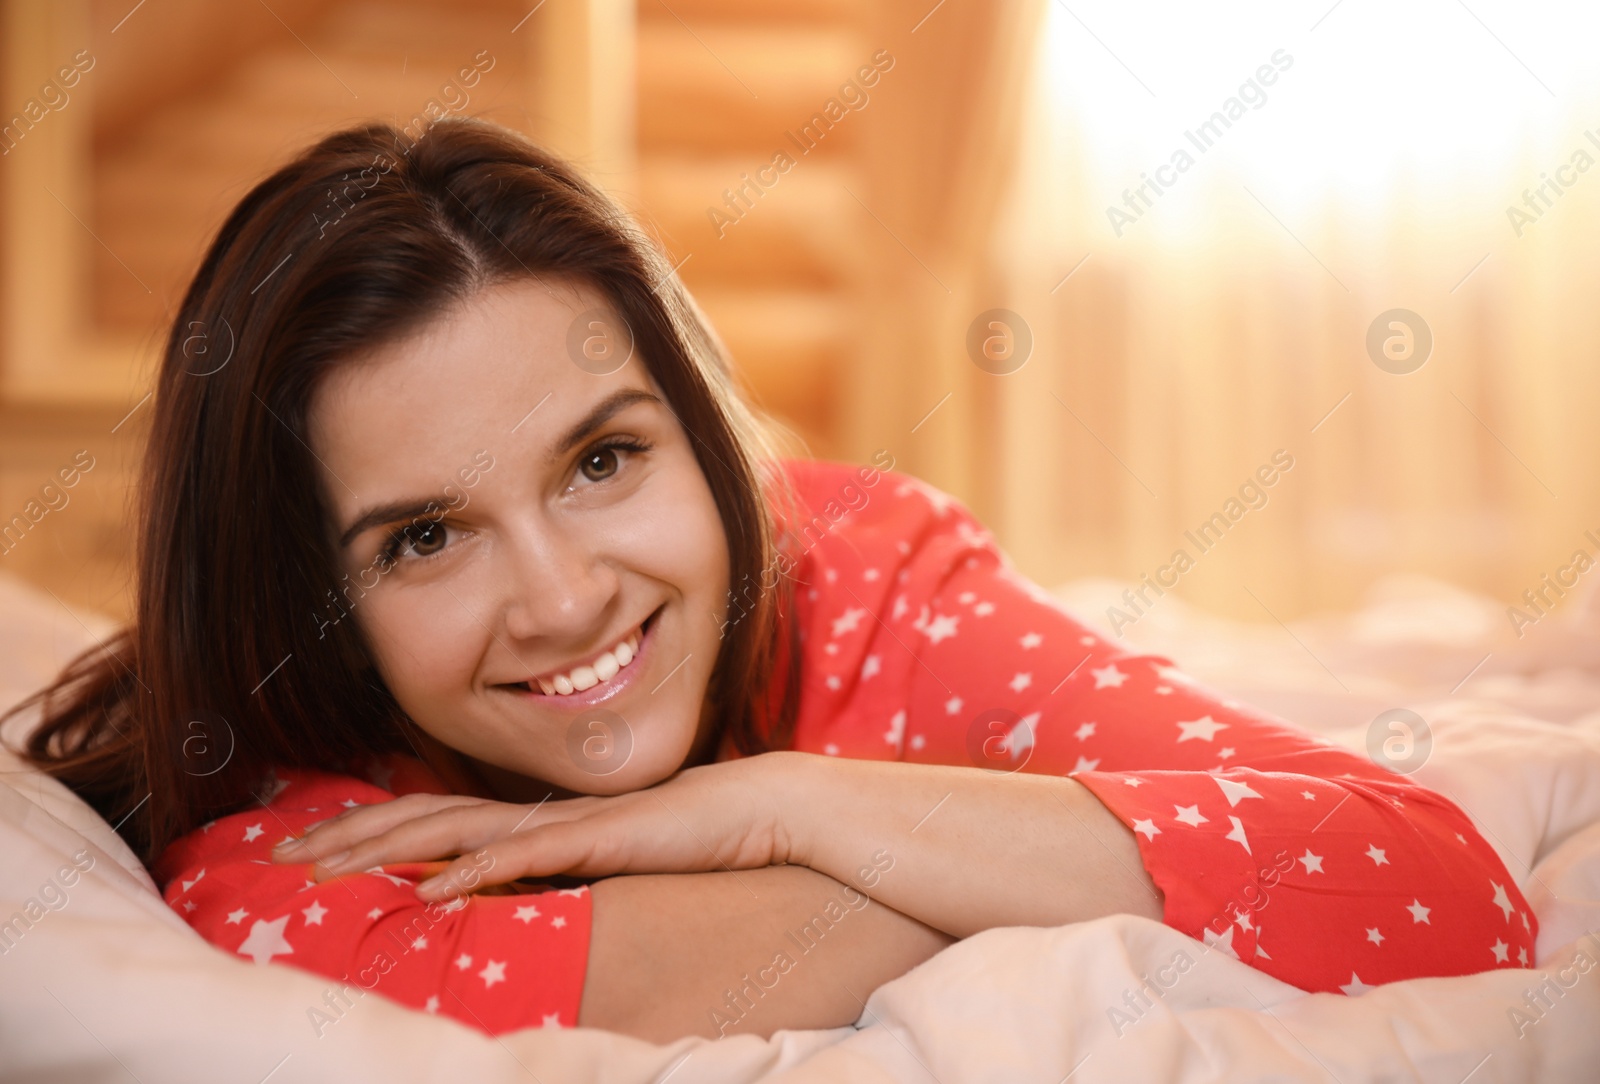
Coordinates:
(431, 885)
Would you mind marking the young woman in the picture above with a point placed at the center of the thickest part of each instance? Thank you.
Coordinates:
(459, 545)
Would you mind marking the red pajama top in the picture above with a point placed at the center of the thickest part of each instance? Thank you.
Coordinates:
(920, 642)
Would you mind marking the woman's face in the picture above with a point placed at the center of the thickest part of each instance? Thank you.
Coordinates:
(507, 518)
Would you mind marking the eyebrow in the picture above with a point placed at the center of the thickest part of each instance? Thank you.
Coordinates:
(411, 508)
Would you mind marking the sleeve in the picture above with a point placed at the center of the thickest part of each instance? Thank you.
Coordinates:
(1269, 843)
(494, 962)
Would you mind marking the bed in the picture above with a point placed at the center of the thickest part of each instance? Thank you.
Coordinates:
(107, 983)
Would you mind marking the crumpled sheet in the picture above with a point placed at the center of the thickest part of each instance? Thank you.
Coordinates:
(112, 983)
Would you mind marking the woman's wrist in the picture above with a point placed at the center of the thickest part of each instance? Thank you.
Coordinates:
(802, 792)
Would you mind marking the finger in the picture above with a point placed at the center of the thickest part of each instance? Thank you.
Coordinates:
(562, 847)
(445, 833)
(339, 833)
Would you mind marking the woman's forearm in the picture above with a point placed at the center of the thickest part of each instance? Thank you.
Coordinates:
(753, 951)
(971, 849)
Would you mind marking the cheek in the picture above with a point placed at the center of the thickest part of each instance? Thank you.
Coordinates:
(426, 650)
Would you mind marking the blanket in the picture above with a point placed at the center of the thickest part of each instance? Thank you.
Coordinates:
(106, 982)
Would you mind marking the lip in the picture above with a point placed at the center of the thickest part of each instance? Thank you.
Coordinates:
(624, 680)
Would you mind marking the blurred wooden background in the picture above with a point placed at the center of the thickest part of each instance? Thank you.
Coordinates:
(1164, 369)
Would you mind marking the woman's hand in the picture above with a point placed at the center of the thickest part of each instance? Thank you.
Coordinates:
(968, 849)
(728, 815)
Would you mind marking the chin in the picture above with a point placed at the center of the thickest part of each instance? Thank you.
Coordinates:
(645, 765)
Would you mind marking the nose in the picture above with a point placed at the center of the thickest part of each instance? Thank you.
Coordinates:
(558, 584)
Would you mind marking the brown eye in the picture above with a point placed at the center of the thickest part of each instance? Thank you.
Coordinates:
(426, 539)
(600, 464)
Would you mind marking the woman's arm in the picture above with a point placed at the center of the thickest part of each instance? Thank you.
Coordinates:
(971, 849)
(727, 953)
(959, 849)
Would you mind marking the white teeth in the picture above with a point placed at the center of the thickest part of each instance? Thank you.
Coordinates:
(602, 669)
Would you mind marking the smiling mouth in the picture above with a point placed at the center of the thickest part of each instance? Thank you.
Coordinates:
(610, 668)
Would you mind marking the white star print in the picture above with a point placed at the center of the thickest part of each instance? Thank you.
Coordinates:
(1226, 752)
(848, 621)
(1134, 781)
(1355, 985)
(190, 905)
(1031, 640)
(869, 667)
(896, 734)
(1374, 936)
(266, 940)
(833, 681)
(1108, 675)
(527, 913)
(1084, 731)
(378, 871)
(1525, 925)
(463, 962)
(1237, 835)
(1522, 954)
(952, 705)
(253, 833)
(1243, 919)
(494, 971)
(349, 803)
(1419, 913)
(559, 922)
(1085, 765)
(832, 649)
(983, 609)
(314, 913)
(432, 1004)
(1204, 728)
(186, 885)
(580, 890)
(900, 608)
(1377, 854)
(1501, 951)
(1020, 682)
(1312, 862)
(1234, 792)
(830, 574)
(918, 741)
(1501, 900)
(1163, 690)
(236, 917)
(965, 598)
(831, 749)
(552, 1020)
(375, 914)
(870, 574)
(1308, 796)
(1148, 827)
(1190, 815)
(941, 628)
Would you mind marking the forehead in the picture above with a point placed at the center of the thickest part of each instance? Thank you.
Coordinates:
(464, 383)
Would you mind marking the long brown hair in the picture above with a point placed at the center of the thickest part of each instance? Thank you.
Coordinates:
(231, 664)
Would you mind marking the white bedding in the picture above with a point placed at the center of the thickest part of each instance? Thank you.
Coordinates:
(111, 984)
